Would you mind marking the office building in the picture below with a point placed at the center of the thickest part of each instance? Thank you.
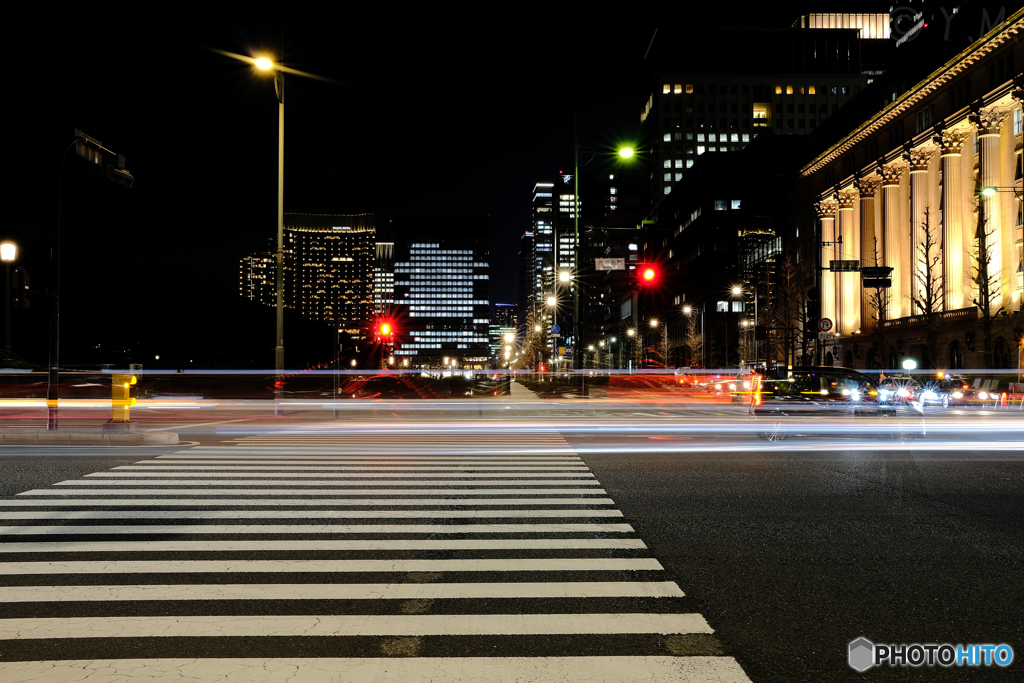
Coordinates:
(329, 264)
(442, 290)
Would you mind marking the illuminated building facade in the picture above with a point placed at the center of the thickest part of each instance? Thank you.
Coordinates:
(329, 273)
(904, 190)
(442, 290)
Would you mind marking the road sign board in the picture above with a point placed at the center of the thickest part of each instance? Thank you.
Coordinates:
(565, 351)
(825, 325)
(555, 329)
(877, 282)
(826, 336)
(609, 264)
(843, 266)
(876, 271)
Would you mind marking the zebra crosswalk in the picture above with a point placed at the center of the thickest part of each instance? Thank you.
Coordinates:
(274, 562)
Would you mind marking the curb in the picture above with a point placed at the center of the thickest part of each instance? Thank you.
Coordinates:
(87, 439)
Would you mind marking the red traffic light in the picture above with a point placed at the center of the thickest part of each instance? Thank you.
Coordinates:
(385, 329)
(648, 275)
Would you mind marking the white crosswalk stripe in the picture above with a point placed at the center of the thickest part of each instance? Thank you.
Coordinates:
(375, 556)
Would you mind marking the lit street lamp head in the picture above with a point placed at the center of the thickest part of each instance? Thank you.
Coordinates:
(8, 251)
(631, 332)
(988, 191)
(564, 276)
(654, 323)
(737, 291)
(263, 64)
(551, 301)
(686, 310)
(509, 337)
(626, 152)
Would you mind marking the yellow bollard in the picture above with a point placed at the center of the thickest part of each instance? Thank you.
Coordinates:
(122, 396)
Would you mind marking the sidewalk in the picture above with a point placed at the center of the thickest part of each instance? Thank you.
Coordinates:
(84, 437)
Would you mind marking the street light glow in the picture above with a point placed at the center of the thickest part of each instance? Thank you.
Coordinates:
(626, 152)
(8, 251)
(509, 337)
(551, 301)
(654, 323)
(536, 328)
(686, 310)
(564, 276)
(631, 332)
(263, 64)
(737, 291)
(649, 274)
(989, 191)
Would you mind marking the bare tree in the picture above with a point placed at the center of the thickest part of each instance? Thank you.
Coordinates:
(533, 344)
(987, 284)
(694, 340)
(926, 297)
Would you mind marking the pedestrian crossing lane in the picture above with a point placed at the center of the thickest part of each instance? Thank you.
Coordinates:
(252, 562)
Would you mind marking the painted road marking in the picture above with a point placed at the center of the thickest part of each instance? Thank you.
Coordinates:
(305, 514)
(568, 564)
(307, 492)
(588, 669)
(343, 591)
(36, 530)
(313, 545)
(297, 502)
(350, 625)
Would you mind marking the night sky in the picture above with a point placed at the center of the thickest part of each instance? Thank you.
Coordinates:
(456, 109)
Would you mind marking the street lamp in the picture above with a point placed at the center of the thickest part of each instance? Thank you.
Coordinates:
(564, 276)
(267, 65)
(510, 337)
(551, 301)
(8, 252)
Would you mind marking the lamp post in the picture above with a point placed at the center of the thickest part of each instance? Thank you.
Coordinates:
(8, 252)
(624, 153)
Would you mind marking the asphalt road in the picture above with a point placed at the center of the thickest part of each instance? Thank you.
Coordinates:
(783, 556)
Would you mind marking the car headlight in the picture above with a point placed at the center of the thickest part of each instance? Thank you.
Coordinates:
(903, 393)
(930, 394)
(982, 395)
(718, 386)
(746, 385)
(958, 394)
(732, 387)
(846, 392)
(855, 393)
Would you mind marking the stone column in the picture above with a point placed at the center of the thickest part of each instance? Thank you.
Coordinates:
(989, 122)
(827, 215)
(870, 246)
(918, 159)
(848, 298)
(891, 233)
(954, 266)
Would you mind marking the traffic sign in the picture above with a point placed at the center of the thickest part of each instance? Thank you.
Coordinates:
(876, 271)
(555, 329)
(877, 282)
(826, 336)
(565, 351)
(843, 266)
(825, 325)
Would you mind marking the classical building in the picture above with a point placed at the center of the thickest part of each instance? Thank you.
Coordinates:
(905, 190)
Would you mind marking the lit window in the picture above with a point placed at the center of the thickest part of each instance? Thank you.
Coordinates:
(678, 89)
(801, 90)
(612, 190)
(667, 137)
(746, 137)
(679, 176)
(668, 177)
(689, 136)
(734, 204)
(778, 90)
(668, 189)
(1018, 121)
(668, 163)
(700, 149)
(810, 90)
(737, 306)
(678, 136)
(689, 163)
(789, 90)
(679, 163)
(722, 307)
(700, 137)
(689, 87)
(666, 89)
(721, 205)
(735, 137)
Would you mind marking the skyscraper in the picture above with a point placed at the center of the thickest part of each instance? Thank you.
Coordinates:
(442, 290)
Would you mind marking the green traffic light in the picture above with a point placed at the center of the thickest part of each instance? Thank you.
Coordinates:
(626, 152)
